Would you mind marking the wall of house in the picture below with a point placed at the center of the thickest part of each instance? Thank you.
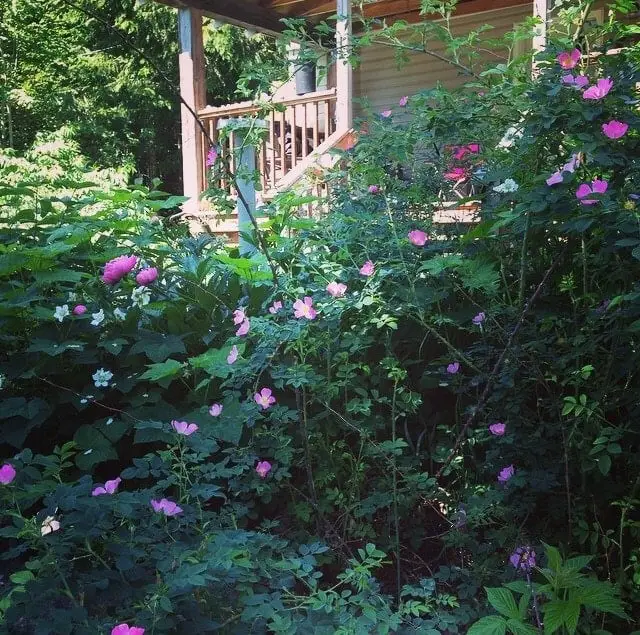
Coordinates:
(382, 82)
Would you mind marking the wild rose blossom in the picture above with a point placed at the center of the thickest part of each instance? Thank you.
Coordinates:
(386, 114)
(523, 558)
(417, 237)
(49, 525)
(61, 312)
(243, 329)
(147, 276)
(239, 316)
(403, 101)
(597, 186)
(614, 129)
(569, 59)
(275, 307)
(264, 398)
(600, 90)
(233, 355)
(110, 487)
(212, 156)
(140, 297)
(125, 629)
(367, 268)
(497, 429)
(506, 473)
(263, 468)
(453, 368)
(79, 309)
(336, 289)
(98, 318)
(479, 319)
(184, 428)
(118, 268)
(167, 507)
(304, 309)
(456, 174)
(7, 474)
(215, 410)
(579, 81)
(119, 314)
(374, 189)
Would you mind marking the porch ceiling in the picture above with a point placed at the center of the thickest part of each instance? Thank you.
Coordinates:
(265, 15)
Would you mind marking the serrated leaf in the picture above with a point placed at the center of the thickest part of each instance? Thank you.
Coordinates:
(489, 625)
(168, 368)
(519, 628)
(503, 601)
(601, 596)
(554, 558)
(559, 613)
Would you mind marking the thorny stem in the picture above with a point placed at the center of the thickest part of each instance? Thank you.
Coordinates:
(523, 260)
(396, 518)
(534, 599)
(487, 389)
(301, 402)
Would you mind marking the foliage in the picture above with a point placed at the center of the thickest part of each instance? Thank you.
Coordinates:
(362, 446)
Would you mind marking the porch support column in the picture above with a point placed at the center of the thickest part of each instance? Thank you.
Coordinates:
(193, 92)
(344, 72)
(540, 11)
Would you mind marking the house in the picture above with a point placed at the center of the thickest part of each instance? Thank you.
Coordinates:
(306, 126)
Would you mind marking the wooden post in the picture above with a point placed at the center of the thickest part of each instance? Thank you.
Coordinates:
(344, 72)
(540, 10)
(193, 91)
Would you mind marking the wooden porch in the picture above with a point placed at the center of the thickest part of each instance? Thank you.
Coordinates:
(297, 131)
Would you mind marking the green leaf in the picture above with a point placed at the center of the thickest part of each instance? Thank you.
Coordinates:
(601, 596)
(503, 601)
(553, 557)
(559, 613)
(489, 625)
(157, 346)
(21, 577)
(604, 464)
(168, 368)
(577, 563)
(520, 628)
(214, 361)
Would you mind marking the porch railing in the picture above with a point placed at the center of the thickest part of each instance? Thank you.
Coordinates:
(295, 128)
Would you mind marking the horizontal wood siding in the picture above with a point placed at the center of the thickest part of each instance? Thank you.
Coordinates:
(381, 82)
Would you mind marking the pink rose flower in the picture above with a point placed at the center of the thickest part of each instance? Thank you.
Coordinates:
(264, 398)
(146, 276)
(455, 174)
(497, 429)
(215, 410)
(386, 114)
(212, 156)
(110, 487)
(597, 187)
(125, 629)
(614, 130)
(418, 237)
(233, 355)
(374, 189)
(184, 428)
(304, 309)
(479, 319)
(336, 289)
(600, 90)
(556, 177)
(453, 368)
(7, 474)
(243, 329)
(166, 507)
(79, 309)
(263, 468)
(275, 307)
(579, 81)
(239, 316)
(367, 269)
(569, 59)
(403, 101)
(506, 473)
(118, 268)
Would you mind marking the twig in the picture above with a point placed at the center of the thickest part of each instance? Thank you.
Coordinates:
(487, 389)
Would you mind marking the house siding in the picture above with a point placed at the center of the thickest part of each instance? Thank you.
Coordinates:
(380, 82)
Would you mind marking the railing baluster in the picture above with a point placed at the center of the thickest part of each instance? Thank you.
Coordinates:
(294, 138)
(315, 125)
(272, 142)
(283, 145)
(304, 131)
(327, 119)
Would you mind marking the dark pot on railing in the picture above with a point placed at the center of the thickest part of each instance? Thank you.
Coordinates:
(305, 78)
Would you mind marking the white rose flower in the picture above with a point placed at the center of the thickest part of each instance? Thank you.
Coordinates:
(119, 314)
(61, 312)
(98, 318)
(102, 377)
